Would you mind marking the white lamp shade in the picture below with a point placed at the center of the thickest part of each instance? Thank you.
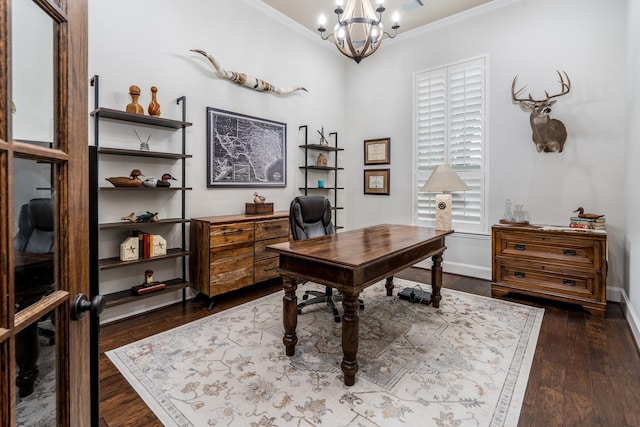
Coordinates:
(444, 179)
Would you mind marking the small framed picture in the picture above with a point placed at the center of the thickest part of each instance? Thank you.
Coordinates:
(376, 151)
(376, 181)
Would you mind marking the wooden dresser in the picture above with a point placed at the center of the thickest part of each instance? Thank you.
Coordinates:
(551, 262)
(228, 252)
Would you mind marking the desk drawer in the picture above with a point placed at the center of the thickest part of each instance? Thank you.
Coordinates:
(269, 229)
(228, 234)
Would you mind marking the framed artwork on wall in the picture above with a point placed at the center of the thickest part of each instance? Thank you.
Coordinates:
(376, 151)
(245, 151)
(376, 181)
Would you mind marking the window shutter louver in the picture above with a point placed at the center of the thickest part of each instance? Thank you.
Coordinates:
(449, 118)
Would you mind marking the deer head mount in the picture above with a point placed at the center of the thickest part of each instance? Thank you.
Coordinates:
(549, 134)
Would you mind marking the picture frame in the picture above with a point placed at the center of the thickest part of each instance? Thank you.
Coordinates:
(376, 181)
(245, 151)
(377, 151)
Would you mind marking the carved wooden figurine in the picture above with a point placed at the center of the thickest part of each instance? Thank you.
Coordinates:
(133, 106)
(154, 107)
(549, 134)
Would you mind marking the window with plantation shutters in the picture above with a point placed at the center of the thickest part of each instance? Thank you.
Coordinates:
(449, 123)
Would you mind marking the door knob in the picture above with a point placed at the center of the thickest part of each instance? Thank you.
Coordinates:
(81, 305)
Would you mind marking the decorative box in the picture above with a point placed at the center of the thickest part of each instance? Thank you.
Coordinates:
(258, 208)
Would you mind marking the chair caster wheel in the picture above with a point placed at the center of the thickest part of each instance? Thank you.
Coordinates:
(299, 311)
(337, 319)
(305, 297)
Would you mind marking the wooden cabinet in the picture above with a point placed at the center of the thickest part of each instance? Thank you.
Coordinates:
(327, 173)
(110, 276)
(229, 252)
(551, 262)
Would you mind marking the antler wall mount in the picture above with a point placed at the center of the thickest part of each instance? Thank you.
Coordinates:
(549, 134)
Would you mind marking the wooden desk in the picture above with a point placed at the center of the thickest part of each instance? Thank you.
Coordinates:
(350, 262)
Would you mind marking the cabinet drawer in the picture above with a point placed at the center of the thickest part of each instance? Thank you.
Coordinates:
(261, 251)
(547, 279)
(271, 228)
(266, 269)
(227, 234)
(563, 250)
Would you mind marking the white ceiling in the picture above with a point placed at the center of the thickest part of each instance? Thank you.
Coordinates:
(412, 14)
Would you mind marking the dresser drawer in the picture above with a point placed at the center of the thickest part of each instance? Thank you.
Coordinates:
(261, 248)
(266, 269)
(566, 250)
(548, 279)
(228, 234)
(272, 228)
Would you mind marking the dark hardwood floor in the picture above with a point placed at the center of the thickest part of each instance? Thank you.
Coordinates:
(585, 372)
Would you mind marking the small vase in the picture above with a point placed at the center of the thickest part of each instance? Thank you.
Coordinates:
(154, 107)
(133, 106)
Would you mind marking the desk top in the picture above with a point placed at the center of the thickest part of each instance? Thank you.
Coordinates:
(359, 247)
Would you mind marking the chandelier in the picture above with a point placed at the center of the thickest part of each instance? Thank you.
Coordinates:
(359, 30)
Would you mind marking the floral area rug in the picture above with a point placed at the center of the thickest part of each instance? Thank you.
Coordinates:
(463, 364)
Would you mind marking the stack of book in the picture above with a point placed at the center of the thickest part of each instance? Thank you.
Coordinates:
(588, 223)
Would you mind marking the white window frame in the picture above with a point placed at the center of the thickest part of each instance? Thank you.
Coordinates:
(434, 116)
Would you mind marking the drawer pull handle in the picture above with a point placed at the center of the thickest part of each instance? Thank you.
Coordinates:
(519, 274)
(570, 252)
(271, 227)
(227, 232)
(569, 282)
(520, 247)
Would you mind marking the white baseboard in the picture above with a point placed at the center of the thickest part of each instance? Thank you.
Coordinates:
(459, 269)
(630, 314)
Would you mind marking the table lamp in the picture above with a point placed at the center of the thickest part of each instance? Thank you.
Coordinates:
(443, 180)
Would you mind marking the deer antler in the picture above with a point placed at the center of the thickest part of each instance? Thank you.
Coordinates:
(515, 94)
(566, 86)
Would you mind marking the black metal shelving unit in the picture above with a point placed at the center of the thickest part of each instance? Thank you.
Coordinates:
(95, 152)
(331, 169)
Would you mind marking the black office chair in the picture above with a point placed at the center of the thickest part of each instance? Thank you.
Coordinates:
(35, 236)
(310, 216)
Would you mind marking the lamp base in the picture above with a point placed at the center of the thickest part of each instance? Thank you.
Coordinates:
(443, 212)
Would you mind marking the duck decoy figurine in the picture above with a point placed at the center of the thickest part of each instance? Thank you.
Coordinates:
(581, 214)
(162, 182)
(133, 180)
(258, 199)
(148, 217)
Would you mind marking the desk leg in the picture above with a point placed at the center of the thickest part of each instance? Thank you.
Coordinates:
(350, 332)
(290, 314)
(389, 286)
(27, 353)
(436, 280)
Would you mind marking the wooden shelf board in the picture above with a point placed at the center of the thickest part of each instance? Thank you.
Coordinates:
(109, 263)
(143, 188)
(108, 113)
(321, 168)
(123, 297)
(142, 153)
(320, 147)
(123, 225)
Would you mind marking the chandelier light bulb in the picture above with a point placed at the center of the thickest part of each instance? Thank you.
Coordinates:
(322, 20)
(395, 17)
(340, 33)
(339, 3)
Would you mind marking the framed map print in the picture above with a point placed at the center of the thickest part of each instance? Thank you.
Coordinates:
(376, 181)
(245, 151)
(376, 151)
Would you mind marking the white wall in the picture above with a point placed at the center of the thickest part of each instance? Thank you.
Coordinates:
(130, 45)
(587, 39)
(147, 43)
(631, 294)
